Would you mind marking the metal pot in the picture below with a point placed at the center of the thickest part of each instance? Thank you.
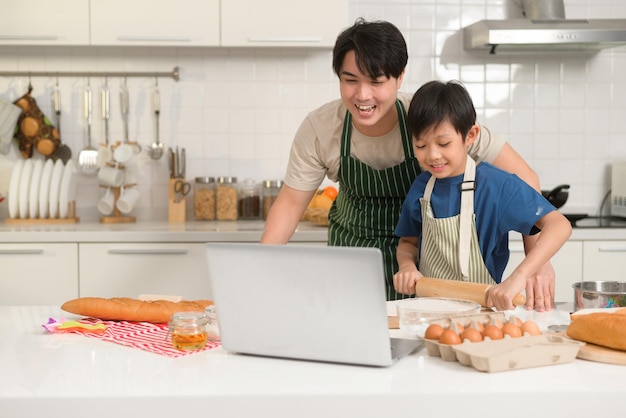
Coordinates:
(557, 196)
(599, 294)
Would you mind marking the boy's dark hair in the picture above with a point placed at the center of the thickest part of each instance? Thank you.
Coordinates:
(436, 102)
(379, 48)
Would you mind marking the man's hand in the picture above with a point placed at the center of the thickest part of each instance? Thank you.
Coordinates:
(540, 289)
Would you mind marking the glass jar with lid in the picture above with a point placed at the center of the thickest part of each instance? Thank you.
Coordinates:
(270, 191)
(249, 200)
(188, 330)
(226, 193)
(204, 198)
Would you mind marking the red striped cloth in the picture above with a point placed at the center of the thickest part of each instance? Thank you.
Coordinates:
(142, 335)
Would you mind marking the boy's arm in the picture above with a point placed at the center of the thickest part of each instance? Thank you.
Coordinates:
(405, 279)
(555, 230)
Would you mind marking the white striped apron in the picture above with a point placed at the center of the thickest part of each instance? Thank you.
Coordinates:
(449, 247)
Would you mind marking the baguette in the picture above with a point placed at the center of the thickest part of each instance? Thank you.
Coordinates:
(128, 309)
(604, 329)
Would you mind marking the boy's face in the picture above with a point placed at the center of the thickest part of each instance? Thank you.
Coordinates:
(370, 101)
(442, 151)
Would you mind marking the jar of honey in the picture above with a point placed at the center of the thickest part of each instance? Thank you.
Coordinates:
(188, 330)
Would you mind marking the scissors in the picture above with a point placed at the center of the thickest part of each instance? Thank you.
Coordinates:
(181, 188)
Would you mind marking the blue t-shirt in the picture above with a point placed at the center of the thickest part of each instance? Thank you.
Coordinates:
(502, 203)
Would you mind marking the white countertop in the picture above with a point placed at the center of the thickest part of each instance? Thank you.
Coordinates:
(63, 375)
(152, 232)
(194, 231)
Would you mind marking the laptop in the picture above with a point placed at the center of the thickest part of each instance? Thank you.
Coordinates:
(313, 303)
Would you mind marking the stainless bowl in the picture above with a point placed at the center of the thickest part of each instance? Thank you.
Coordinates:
(599, 294)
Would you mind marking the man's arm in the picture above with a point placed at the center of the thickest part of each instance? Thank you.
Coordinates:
(285, 214)
(540, 289)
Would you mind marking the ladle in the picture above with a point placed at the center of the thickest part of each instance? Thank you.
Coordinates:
(156, 150)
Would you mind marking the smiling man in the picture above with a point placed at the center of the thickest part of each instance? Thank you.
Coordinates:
(361, 142)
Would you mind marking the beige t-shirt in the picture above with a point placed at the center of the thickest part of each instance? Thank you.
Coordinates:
(315, 152)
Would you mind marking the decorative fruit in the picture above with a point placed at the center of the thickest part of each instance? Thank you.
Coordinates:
(330, 192)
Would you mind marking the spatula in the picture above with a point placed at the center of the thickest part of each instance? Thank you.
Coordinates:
(87, 158)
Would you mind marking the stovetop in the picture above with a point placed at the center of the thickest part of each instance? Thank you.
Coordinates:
(597, 221)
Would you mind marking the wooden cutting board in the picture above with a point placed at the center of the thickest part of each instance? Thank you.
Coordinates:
(599, 354)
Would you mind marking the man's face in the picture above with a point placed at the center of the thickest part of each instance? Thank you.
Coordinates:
(370, 101)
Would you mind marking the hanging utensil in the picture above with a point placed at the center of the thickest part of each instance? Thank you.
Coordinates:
(104, 151)
(87, 158)
(156, 151)
(63, 152)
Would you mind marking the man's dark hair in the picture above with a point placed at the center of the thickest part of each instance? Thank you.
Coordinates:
(379, 48)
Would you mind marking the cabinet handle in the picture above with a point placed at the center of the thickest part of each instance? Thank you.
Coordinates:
(611, 248)
(285, 39)
(149, 251)
(21, 252)
(153, 39)
(29, 37)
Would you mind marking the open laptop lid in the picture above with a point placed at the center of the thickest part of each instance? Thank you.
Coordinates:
(305, 302)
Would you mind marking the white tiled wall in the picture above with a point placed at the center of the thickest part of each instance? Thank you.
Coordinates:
(235, 110)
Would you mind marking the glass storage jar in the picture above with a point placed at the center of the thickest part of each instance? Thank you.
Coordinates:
(204, 199)
(226, 199)
(188, 330)
(270, 191)
(249, 200)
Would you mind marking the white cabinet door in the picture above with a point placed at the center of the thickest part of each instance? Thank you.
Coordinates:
(283, 22)
(44, 22)
(155, 22)
(38, 274)
(122, 269)
(567, 265)
(604, 260)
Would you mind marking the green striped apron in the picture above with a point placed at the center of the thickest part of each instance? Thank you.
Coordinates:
(367, 208)
(449, 248)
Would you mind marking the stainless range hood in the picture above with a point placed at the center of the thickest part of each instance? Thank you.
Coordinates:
(520, 35)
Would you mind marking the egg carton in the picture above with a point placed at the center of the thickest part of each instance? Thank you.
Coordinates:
(508, 353)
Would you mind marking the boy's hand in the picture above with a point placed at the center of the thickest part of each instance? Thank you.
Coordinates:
(501, 295)
(404, 280)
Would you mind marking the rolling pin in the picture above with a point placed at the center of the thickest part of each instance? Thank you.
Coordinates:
(442, 288)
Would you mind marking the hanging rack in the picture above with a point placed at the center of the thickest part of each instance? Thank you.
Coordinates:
(175, 73)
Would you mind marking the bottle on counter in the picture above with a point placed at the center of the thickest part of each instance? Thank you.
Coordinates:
(226, 192)
(204, 198)
(249, 200)
(270, 191)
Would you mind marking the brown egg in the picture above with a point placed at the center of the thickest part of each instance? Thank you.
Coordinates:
(493, 332)
(515, 320)
(511, 330)
(433, 332)
(477, 325)
(471, 334)
(531, 328)
(449, 337)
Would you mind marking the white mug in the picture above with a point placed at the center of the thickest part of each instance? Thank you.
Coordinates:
(104, 156)
(105, 204)
(111, 176)
(123, 153)
(127, 200)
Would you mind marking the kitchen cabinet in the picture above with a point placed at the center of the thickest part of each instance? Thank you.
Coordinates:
(41, 22)
(567, 265)
(132, 269)
(604, 260)
(155, 22)
(41, 273)
(283, 22)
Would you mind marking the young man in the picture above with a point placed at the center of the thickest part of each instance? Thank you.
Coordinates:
(362, 143)
(457, 215)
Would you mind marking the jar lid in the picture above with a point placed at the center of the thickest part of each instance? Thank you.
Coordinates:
(272, 183)
(226, 180)
(189, 318)
(205, 180)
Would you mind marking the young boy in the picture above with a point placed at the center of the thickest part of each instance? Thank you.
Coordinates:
(457, 215)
